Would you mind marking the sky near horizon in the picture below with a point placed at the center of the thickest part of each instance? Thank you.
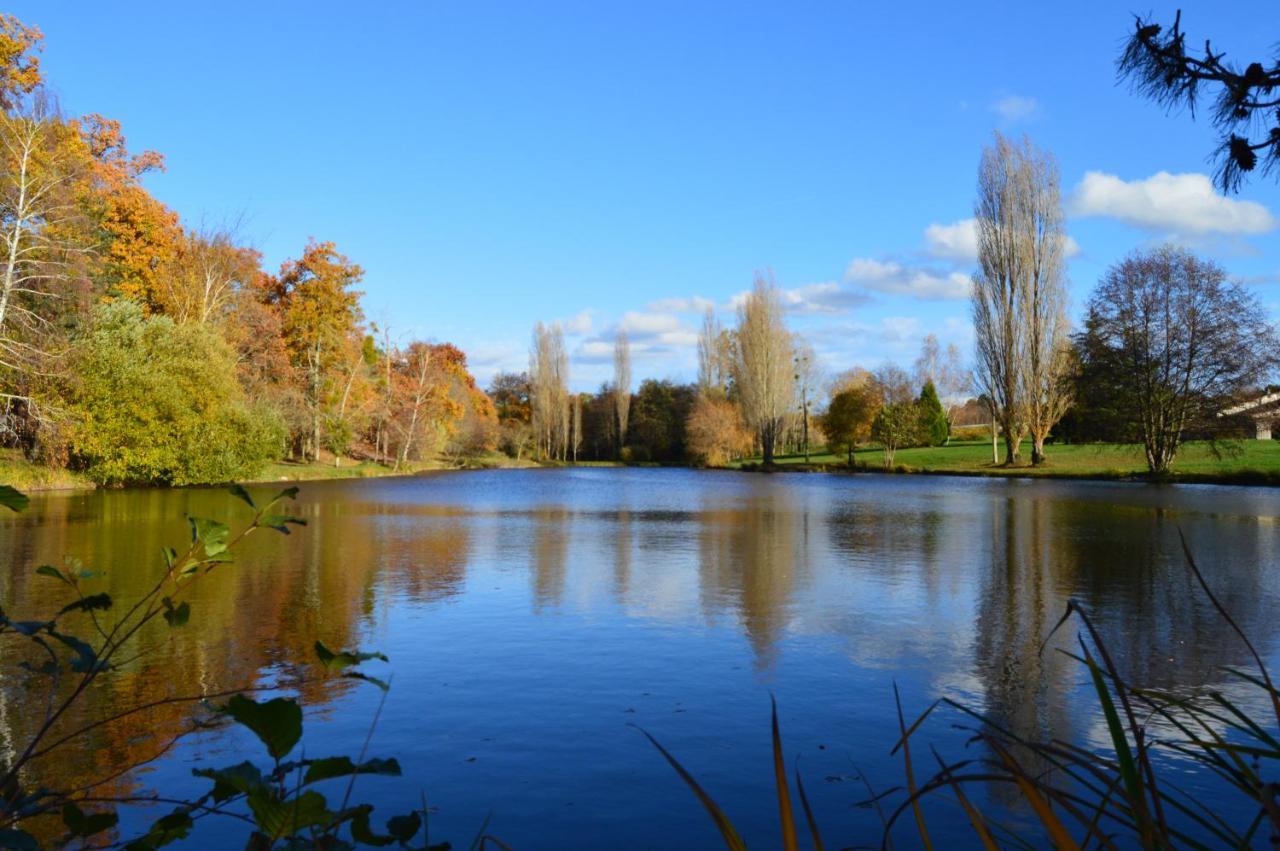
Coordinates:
(611, 165)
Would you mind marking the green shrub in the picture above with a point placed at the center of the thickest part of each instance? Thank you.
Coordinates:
(933, 417)
(156, 402)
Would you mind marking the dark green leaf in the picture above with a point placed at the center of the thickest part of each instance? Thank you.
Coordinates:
(176, 615)
(344, 658)
(242, 779)
(87, 824)
(280, 522)
(176, 825)
(86, 656)
(13, 499)
(404, 828)
(276, 817)
(356, 675)
(88, 604)
(287, 493)
(53, 572)
(13, 839)
(277, 723)
(239, 492)
(29, 627)
(362, 832)
(342, 766)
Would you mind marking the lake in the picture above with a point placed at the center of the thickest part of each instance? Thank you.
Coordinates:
(535, 618)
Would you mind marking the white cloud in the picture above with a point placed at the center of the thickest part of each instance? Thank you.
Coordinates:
(693, 304)
(826, 297)
(1180, 203)
(1015, 107)
(652, 334)
(958, 241)
(578, 324)
(893, 278)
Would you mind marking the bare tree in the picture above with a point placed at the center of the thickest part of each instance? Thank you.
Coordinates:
(1019, 293)
(763, 368)
(945, 368)
(39, 169)
(577, 426)
(622, 385)
(807, 379)
(549, 386)
(202, 280)
(1179, 341)
(714, 357)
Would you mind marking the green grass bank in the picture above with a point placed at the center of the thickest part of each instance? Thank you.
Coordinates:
(1227, 462)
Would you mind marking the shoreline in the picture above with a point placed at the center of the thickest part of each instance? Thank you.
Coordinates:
(62, 482)
(1242, 478)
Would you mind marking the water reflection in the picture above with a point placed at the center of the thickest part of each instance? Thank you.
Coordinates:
(635, 583)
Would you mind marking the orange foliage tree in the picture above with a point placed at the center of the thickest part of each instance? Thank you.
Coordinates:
(321, 324)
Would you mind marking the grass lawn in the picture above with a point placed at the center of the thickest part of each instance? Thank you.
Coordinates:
(1239, 461)
(16, 471)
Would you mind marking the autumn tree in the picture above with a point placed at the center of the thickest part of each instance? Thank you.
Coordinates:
(715, 432)
(849, 416)
(136, 236)
(320, 321)
(763, 369)
(622, 385)
(19, 65)
(1019, 293)
(1179, 340)
(512, 395)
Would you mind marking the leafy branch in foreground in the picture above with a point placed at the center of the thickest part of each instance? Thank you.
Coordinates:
(280, 803)
(1090, 797)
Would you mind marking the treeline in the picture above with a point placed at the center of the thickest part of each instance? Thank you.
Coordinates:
(1169, 347)
(140, 349)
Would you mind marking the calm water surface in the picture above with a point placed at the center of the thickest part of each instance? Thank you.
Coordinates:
(532, 618)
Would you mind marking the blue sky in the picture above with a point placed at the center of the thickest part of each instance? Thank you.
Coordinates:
(492, 165)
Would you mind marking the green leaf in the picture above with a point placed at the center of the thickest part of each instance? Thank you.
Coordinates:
(87, 824)
(239, 779)
(176, 825)
(52, 572)
(404, 828)
(342, 766)
(276, 817)
(277, 723)
(94, 602)
(13, 498)
(170, 556)
(239, 492)
(176, 615)
(13, 839)
(210, 534)
(344, 658)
